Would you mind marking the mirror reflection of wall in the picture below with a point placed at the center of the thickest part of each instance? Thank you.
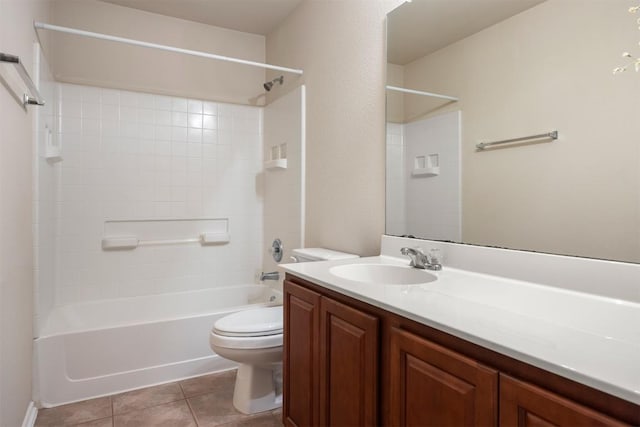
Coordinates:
(423, 179)
(536, 67)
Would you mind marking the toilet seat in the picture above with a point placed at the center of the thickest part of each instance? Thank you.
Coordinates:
(247, 342)
(251, 323)
(249, 329)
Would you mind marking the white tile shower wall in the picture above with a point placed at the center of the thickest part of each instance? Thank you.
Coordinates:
(46, 178)
(137, 156)
(396, 181)
(284, 190)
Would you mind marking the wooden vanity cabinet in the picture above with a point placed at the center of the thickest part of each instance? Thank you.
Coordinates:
(347, 363)
(330, 375)
(525, 405)
(433, 386)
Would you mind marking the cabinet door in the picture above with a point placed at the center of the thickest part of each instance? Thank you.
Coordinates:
(301, 356)
(349, 366)
(433, 386)
(523, 404)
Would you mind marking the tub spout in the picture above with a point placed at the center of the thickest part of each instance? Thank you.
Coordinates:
(274, 275)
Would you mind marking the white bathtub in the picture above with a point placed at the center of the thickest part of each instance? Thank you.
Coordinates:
(99, 348)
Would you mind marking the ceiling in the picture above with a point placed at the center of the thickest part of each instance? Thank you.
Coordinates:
(421, 27)
(249, 16)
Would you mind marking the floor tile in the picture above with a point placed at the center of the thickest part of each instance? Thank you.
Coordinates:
(103, 422)
(146, 397)
(277, 414)
(265, 419)
(222, 383)
(175, 414)
(214, 409)
(75, 413)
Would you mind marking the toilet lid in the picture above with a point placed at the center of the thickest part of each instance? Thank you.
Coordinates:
(255, 322)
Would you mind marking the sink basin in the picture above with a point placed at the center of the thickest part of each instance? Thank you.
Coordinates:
(382, 274)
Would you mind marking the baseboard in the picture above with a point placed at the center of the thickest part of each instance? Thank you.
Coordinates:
(30, 416)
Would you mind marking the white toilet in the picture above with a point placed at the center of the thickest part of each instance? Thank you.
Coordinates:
(253, 338)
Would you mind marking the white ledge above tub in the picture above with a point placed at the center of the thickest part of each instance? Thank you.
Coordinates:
(130, 234)
(426, 172)
(275, 164)
(132, 242)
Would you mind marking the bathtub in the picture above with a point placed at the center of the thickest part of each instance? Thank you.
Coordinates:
(99, 348)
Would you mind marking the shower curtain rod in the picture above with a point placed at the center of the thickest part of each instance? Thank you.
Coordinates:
(44, 26)
(419, 92)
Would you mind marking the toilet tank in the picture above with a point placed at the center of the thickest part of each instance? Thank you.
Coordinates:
(319, 254)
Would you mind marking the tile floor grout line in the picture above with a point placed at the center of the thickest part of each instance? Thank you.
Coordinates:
(193, 414)
(202, 393)
(181, 389)
(146, 407)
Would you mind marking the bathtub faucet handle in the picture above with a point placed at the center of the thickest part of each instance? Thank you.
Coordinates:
(273, 275)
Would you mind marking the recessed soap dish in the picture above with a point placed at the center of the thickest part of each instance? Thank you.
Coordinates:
(426, 166)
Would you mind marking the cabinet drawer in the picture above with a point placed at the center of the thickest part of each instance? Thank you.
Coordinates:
(523, 404)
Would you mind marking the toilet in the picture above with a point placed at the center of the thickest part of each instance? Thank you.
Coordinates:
(253, 338)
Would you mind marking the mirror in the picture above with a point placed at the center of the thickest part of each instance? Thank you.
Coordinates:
(513, 69)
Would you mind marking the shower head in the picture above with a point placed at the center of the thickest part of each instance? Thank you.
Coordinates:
(268, 85)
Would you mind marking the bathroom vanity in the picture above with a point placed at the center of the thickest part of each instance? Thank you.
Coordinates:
(358, 353)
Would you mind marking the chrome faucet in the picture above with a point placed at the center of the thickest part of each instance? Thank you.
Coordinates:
(274, 275)
(421, 260)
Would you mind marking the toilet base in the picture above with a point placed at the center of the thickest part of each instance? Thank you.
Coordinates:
(258, 388)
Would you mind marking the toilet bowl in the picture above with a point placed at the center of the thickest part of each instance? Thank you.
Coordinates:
(253, 338)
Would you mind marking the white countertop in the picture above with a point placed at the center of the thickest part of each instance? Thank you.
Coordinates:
(594, 340)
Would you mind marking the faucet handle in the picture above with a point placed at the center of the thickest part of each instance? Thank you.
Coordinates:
(434, 256)
(434, 259)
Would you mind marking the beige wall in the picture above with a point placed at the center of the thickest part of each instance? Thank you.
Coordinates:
(340, 45)
(88, 61)
(579, 195)
(16, 254)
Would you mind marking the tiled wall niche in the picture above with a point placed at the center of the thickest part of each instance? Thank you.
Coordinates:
(136, 156)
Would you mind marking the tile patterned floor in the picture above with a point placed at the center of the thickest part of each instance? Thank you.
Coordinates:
(198, 402)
